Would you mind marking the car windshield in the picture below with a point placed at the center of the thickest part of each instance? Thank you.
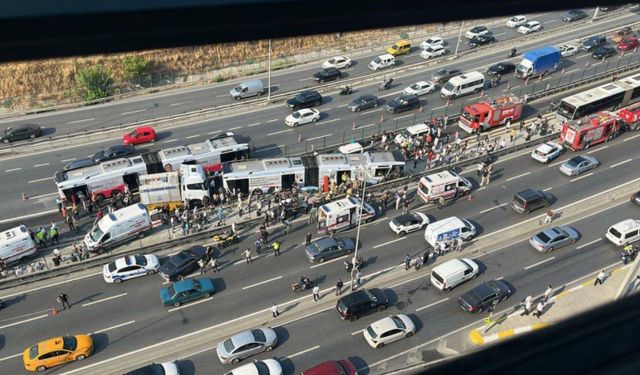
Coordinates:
(395, 46)
(262, 368)
(371, 332)
(415, 86)
(33, 352)
(133, 133)
(543, 237)
(441, 72)
(69, 343)
(112, 266)
(575, 161)
(469, 117)
(339, 242)
(228, 346)
(449, 86)
(377, 60)
(332, 61)
(296, 115)
(258, 335)
(237, 88)
(431, 49)
(96, 233)
(141, 260)
(171, 290)
(515, 19)
(399, 323)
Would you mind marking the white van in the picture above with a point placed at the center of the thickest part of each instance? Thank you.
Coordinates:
(449, 229)
(382, 62)
(624, 231)
(119, 226)
(418, 130)
(453, 272)
(16, 244)
(445, 184)
(464, 84)
(254, 87)
(351, 148)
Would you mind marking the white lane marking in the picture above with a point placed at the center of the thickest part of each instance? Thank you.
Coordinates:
(104, 299)
(632, 137)
(41, 165)
(539, 263)
(432, 304)
(192, 136)
(190, 304)
(493, 208)
(482, 188)
(344, 105)
(66, 160)
(132, 112)
(547, 189)
(589, 243)
(271, 148)
(222, 95)
(302, 352)
(12, 170)
(328, 121)
(405, 116)
(597, 149)
(214, 132)
(365, 126)
(305, 79)
(79, 121)
(572, 70)
(261, 282)
(518, 176)
(114, 327)
(357, 332)
(272, 120)
(11, 357)
(389, 242)
(499, 34)
(549, 21)
(255, 124)
(620, 163)
(318, 137)
(311, 313)
(13, 219)
(329, 261)
(280, 132)
(500, 278)
(581, 177)
(171, 140)
(40, 180)
(193, 354)
(328, 109)
(582, 56)
(179, 103)
(24, 321)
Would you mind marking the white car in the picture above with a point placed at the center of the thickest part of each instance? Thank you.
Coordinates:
(433, 51)
(406, 223)
(420, 88)
(516, 21)
(546, 152)
(339, 62)
(265, 367)
(129, 267)
(389, 329)
(433, 41)
(530, 27)
(567, 50)
(166, 368)
(302, 116)
(475, 31)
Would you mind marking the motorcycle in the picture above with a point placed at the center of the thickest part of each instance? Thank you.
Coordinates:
(386, 84)
(224, 239)
(512, 53)
(628, 254)
(349, 266)
(302, 285)
(346, 90)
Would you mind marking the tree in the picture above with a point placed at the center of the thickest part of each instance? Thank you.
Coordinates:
(93, 82)
(135, 68)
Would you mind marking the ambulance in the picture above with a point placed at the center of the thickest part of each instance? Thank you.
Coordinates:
(446, 184)
(342, 214)
(16, 244)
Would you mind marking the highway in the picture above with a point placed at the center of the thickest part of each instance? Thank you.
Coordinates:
(263, 126)
(128, 317)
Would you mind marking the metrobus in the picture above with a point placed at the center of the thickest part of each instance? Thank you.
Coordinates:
(610, 96)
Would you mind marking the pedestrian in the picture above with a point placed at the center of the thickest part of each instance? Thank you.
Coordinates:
(339, 285)
(75, 224)
(539, 309)
(547, 294)
(53, 232)
(274, 310)
(3, 267)
(307, 239)
(287, 225)
(418, 263)
(425, 256)
(276, 248)
(57, 257)
(265, 236)
(258, 244)
(85, 252)
(634, 286)
(69, 221)
(405, 206)
(527, 306)
(407, 262)
(59, 203)
(441, 202)
(398, 201)
(203, 265)
(549, 217)
(247, 255)
(63, 299)
(316, 293)
(600, 278)
(358, 278)
(209, 252)
(233, 228)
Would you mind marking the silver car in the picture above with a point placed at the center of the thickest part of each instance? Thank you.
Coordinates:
(553, 238)
(246, 344)
(578, 164)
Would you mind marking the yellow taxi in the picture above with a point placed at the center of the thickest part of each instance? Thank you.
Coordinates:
(399, 48)
(56, 351)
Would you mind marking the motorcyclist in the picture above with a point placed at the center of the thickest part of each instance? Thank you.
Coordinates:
(512, 52)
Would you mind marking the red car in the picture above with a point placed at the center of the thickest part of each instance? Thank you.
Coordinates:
(341, 367)
(140, 135)
(628, 43)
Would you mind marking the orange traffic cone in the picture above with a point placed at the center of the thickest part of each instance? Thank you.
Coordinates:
(470, 198)
(353, 127)
(54, 311)
(24, 196)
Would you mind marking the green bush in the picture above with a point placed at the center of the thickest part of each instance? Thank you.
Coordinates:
(218, 79)
(93, 82)
(7, 103)
(135, 68)
(404, 35)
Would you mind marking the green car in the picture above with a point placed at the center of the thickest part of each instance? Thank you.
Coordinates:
(186, 290)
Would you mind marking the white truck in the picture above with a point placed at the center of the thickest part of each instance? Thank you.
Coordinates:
(174, 188)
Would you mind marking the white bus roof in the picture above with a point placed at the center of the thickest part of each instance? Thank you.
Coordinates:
(249, 167)
(109, 167)
(225, 143)
(466, 77)
(13, 234)
(593, 94)
(331, 160)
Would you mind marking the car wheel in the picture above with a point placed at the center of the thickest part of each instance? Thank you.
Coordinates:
(409, 334)
(382, 308)
(7, 141)
(176, 304)
(268, 348)
(321, 260)
(117, 281)
(81, 357)
(574, 240)
(235, 361)
(151, 272)
(314, 119)
(380, 345)
(353, 318)
(32, 136)
(181, 277)
(375, 105)
(550, 249)
(207, 295)
(370, 219)
(295, 124)
(358, 109)
(403, 233)
(317, 103)
(40, 368)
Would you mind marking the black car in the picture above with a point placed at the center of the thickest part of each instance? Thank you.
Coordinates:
(328, 74)
(593, 42)
(481, 40)
(529, 200)
(403, 103)
(574, 15)
(113, 152)
(360, 303)
(183, 263)
(501, 68)
(484, 296)
(443, 75)
(78, 163)
(603, 52)
(305, 99)
(635, 198)
(363, 102)
(21, 132)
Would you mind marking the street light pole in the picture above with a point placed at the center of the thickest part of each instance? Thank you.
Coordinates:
(459, 36)
(269, 74)
(355, 253)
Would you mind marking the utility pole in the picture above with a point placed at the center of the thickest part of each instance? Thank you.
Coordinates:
(459, 37)
(269, 74)
(355, 252)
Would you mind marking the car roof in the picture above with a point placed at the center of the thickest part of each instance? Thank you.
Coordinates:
(242, 338)
(383, 325)
(183, 285)
(358, 296)
(325, 242)
(125, 261)
(406, 217)
(50, 344)
(529, 193)
(24, 126)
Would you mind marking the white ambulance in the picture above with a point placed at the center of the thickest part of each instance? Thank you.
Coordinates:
(342, 214)
(446, 184)
(16, 244)
(117, 227)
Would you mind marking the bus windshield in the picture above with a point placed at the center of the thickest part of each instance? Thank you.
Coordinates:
(566, 110)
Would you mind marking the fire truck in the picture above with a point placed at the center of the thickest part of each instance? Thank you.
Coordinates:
(582, 133)
(490, 113)
(631, 117)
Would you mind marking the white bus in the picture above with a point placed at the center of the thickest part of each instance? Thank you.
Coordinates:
(610, 96)
(464, 84)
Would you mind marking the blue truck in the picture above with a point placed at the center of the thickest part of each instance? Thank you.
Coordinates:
(539, 61)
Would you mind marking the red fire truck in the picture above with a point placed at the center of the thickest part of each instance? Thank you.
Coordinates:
(631, 117)
(582, 133)
(492, 112)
